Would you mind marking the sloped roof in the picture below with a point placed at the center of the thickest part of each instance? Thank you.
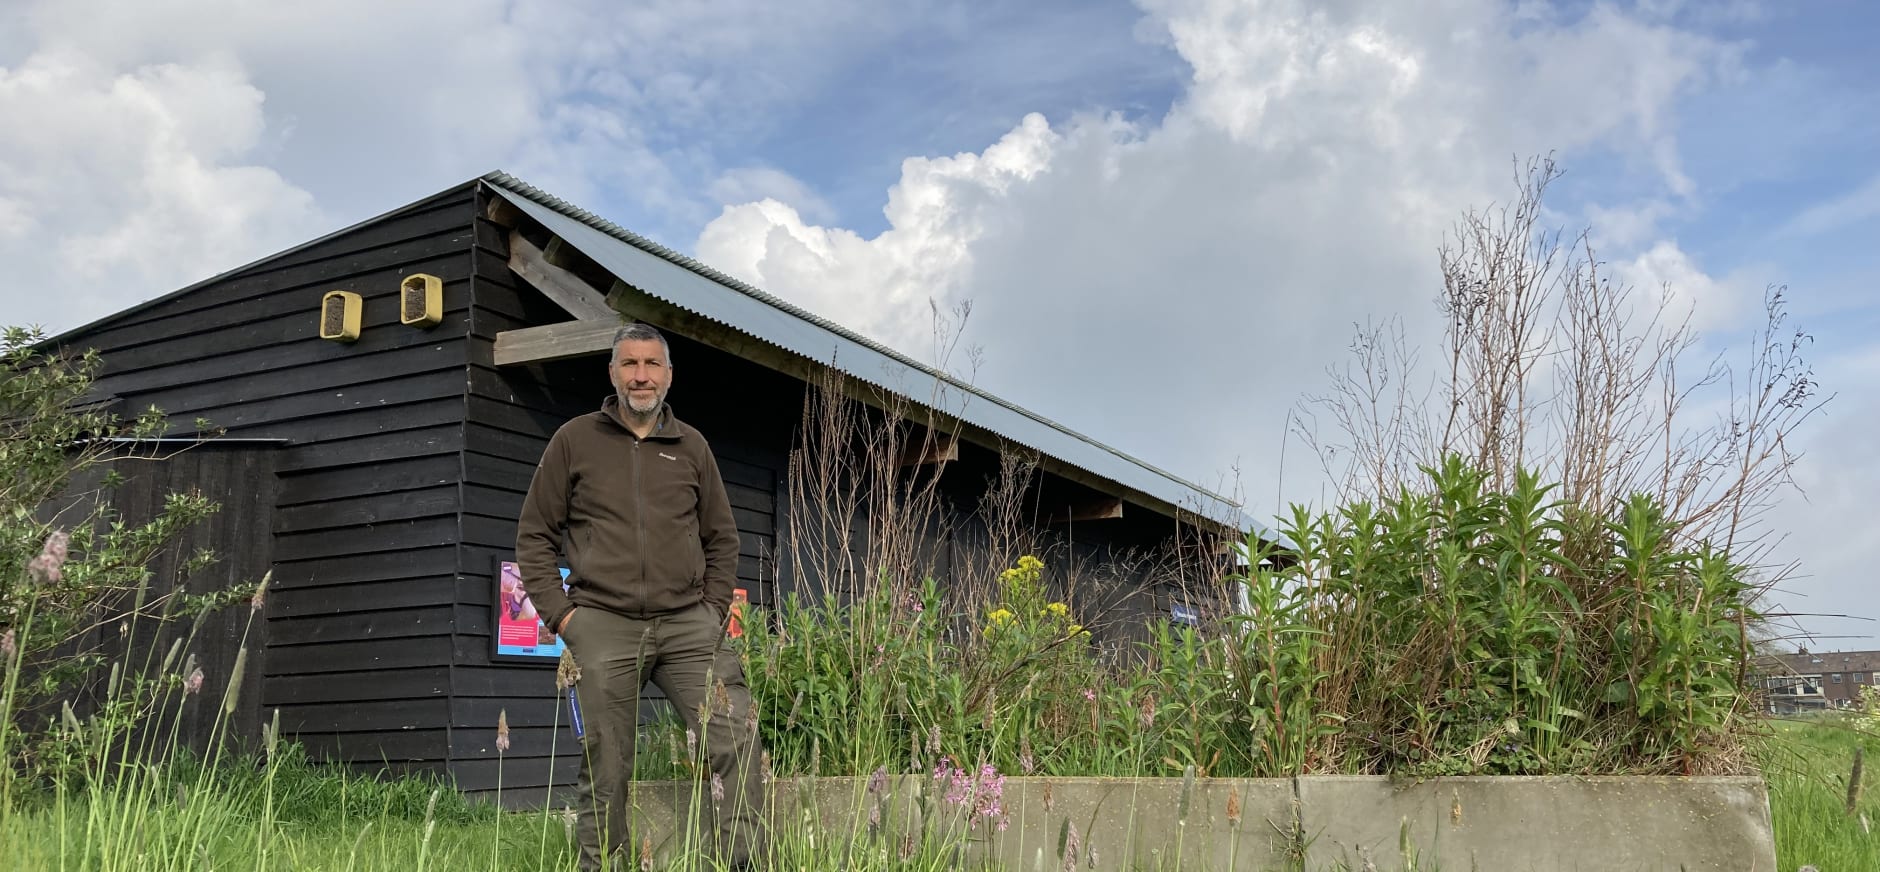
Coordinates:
(683, 282)
(1825, 662)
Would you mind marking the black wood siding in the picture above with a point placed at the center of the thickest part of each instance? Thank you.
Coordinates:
(365, 524)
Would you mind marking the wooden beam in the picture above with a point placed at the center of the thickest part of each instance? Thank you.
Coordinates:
(503, 213)
(555, 341)
(1094, 510)
(576, 297)
(933, 448)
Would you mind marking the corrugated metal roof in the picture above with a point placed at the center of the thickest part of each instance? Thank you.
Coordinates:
(681, 281)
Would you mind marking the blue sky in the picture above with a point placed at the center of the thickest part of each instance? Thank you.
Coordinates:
(1220, 187)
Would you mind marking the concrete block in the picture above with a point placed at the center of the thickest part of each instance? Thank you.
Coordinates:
(1544, 824)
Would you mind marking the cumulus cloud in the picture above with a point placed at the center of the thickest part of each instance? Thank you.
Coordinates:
(140, 176)
(1207, 265)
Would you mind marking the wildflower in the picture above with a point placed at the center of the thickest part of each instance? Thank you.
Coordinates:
(646, 854)
(193, 684)
(878, 781)
(9, 645)
(48, 567)
(998, 620)
(1090, 693)
(691, 743)
(1057, 610)
(764, 766)
(260, 600)
(724, 697)
(933, 740)
(718, 788)
(750, 718)
(567, 672)
(1073, 844)
(1075, 630)
(1025, 762)
(1049, 802)
(1147, 713)
(502, 731)
(1233, 805)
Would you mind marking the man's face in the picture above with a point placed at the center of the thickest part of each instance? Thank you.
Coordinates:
(641, 374)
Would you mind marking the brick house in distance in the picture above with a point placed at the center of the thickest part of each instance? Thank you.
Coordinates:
(1812, 681)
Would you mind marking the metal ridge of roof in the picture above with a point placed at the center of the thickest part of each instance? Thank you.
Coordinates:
(514, 185)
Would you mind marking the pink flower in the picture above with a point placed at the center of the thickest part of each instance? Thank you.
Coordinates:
(48, 567)
(718, 788)
(1090, 694)
(193, 684)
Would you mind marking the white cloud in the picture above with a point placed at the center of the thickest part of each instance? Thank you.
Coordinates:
(131, 177)
(1665, 272)
(1138, 280)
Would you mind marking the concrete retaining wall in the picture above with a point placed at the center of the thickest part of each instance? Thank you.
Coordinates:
(1310, 823)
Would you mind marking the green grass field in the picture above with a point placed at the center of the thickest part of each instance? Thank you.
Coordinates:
(1807, 764)
(301, 817)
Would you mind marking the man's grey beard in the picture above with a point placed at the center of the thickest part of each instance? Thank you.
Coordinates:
(632, 411)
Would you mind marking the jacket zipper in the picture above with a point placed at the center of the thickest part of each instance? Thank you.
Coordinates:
(639, 520)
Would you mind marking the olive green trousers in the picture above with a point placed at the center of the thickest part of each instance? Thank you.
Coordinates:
(687, 655)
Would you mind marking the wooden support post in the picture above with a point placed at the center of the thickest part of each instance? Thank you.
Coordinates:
(570, 292)
(1094, 510)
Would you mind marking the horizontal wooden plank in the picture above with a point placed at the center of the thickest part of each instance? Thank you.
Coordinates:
(502, 443)
(438, 251)
(369, 507)
(584, 338)
(501, 473)
(491, 502)
(395, 536)
(341, 374)
(376, 448)
(349, 656)
(517, 775)
(381, 478)
(364, 596)
(265, 358)
(377, 684)
(369, 747)
(351, 568)
(388, 418)
(750, 499)
(501, 680)
(524, 743)
(514, 417)
(388, 624)
(355, 717)
(563, 389)
(530, 710)
(455, 216)
(292, 314)
(362, 397)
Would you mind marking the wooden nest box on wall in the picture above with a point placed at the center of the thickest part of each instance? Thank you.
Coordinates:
(421, 300)
(339, 316)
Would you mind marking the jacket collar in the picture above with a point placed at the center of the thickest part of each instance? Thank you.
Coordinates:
(664, 427)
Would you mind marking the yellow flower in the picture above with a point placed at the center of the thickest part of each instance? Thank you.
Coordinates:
(1000, 617)
(1029, 563)
(1057, 610)
(1076, 630)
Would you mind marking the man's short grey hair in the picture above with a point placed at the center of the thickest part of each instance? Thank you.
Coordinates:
(641, 333)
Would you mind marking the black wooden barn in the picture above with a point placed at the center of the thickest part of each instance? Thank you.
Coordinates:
(379, 475)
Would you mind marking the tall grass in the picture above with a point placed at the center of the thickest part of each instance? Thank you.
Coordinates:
(1808, 763)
